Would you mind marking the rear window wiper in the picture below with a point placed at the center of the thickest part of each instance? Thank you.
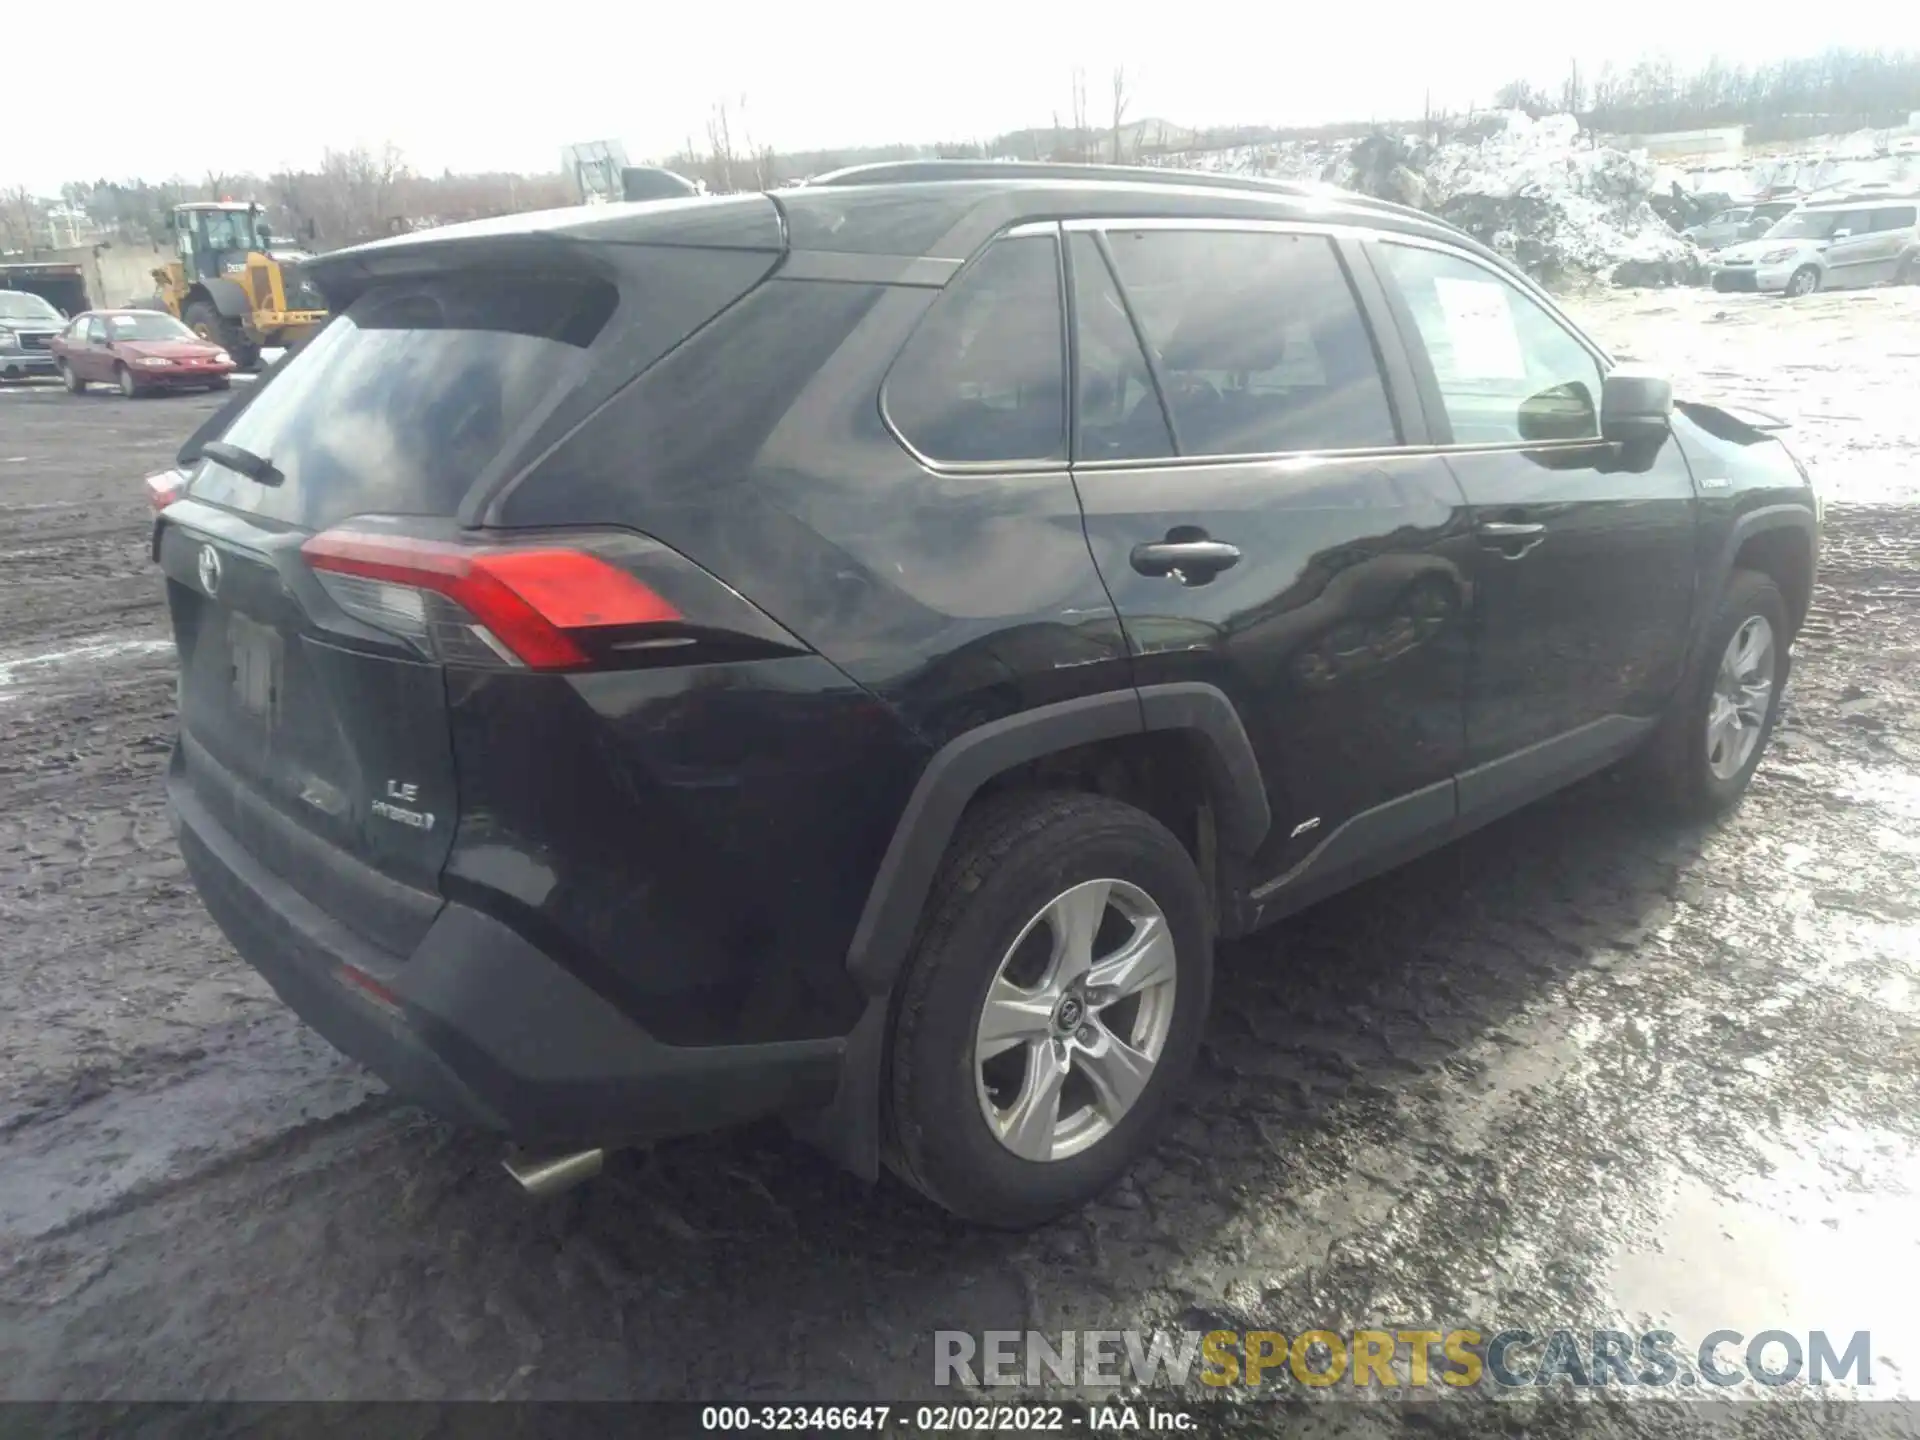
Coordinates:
(242, 461)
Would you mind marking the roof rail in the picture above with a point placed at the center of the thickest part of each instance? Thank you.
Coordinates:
(913, 172)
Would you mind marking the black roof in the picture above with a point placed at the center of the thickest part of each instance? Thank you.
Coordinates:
(921, 209)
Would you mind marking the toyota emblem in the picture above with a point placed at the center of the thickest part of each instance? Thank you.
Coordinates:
(209, 569)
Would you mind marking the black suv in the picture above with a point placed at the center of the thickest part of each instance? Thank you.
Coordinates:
(849, 652)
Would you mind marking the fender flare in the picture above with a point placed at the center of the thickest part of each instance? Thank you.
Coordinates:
(226, 295)
(958, 769)
(848, 1129)
(1787, 516)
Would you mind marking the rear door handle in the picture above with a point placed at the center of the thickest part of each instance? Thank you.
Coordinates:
(1192, 562)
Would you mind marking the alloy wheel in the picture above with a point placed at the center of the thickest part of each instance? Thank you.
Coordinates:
(1075, 1020)
(1742, 693)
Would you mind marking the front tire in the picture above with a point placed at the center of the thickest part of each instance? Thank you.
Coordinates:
(1702, 759)
(210, 325)
(1050, 1010)
(75, 385)
(123, 377)
(1802, 282)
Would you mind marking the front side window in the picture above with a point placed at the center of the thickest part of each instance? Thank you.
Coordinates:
(1506, 368)
(983, 378)
(1805, 225)
(1258, 339)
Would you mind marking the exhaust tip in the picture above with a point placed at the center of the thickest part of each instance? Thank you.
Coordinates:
(549, 1175)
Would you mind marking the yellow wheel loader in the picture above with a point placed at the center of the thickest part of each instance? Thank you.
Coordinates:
(232, 287)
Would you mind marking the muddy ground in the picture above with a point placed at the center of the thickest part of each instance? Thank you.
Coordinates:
(1581, 1070)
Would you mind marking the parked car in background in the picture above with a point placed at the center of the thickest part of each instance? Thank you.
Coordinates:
(848, 652)
(1829, 245)
(28, 326)
(1741, 222)
(137, 351)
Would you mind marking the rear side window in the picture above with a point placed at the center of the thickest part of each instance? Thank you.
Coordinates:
(983, 378)
(1897, 217)
(407, 397)
(1119, 413)
(1259, 341)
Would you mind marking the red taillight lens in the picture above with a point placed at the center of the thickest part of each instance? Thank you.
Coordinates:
(468, 604)
(164, 487)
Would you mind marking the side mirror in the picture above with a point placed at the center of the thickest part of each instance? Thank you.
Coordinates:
(1842, 235)
(1635, 406)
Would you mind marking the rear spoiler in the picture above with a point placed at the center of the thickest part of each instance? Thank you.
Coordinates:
(571, 239)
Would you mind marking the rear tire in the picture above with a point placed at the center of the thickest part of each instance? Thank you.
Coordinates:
(123, 377)
(1025, 872)
(1701, 760)
(1909, 271)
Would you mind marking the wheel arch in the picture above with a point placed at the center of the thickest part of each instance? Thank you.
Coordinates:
(226, 296)
(1199, 716)
(1782, 543)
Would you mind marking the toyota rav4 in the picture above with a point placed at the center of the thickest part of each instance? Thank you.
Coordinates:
(849, 653)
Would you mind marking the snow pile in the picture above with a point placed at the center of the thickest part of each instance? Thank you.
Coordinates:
(1542, 192)
(1559, 204)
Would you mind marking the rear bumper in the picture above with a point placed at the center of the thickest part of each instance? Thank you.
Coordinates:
(484, 1028)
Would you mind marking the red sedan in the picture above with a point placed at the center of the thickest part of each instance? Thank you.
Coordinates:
(138, 351)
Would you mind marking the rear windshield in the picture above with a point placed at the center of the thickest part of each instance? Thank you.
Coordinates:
(404, 400)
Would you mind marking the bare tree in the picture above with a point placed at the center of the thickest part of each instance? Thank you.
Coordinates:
(1119, 107)
(720, 151)
(20, 221)
(1079, 113)
(1573, 94)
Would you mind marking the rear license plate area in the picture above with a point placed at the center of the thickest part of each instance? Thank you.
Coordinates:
(256, 658)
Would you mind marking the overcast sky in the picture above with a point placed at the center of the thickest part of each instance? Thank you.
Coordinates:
(478, 86)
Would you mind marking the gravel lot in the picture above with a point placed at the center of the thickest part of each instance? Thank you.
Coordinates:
(1581, 1070)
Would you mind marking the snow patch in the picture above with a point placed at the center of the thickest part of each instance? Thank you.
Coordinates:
(11, 668)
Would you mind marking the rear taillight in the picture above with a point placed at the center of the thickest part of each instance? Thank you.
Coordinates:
(164, 487)
(541, 607)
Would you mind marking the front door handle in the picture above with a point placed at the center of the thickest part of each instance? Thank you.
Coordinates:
(1512, 538)
(1191, 562)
